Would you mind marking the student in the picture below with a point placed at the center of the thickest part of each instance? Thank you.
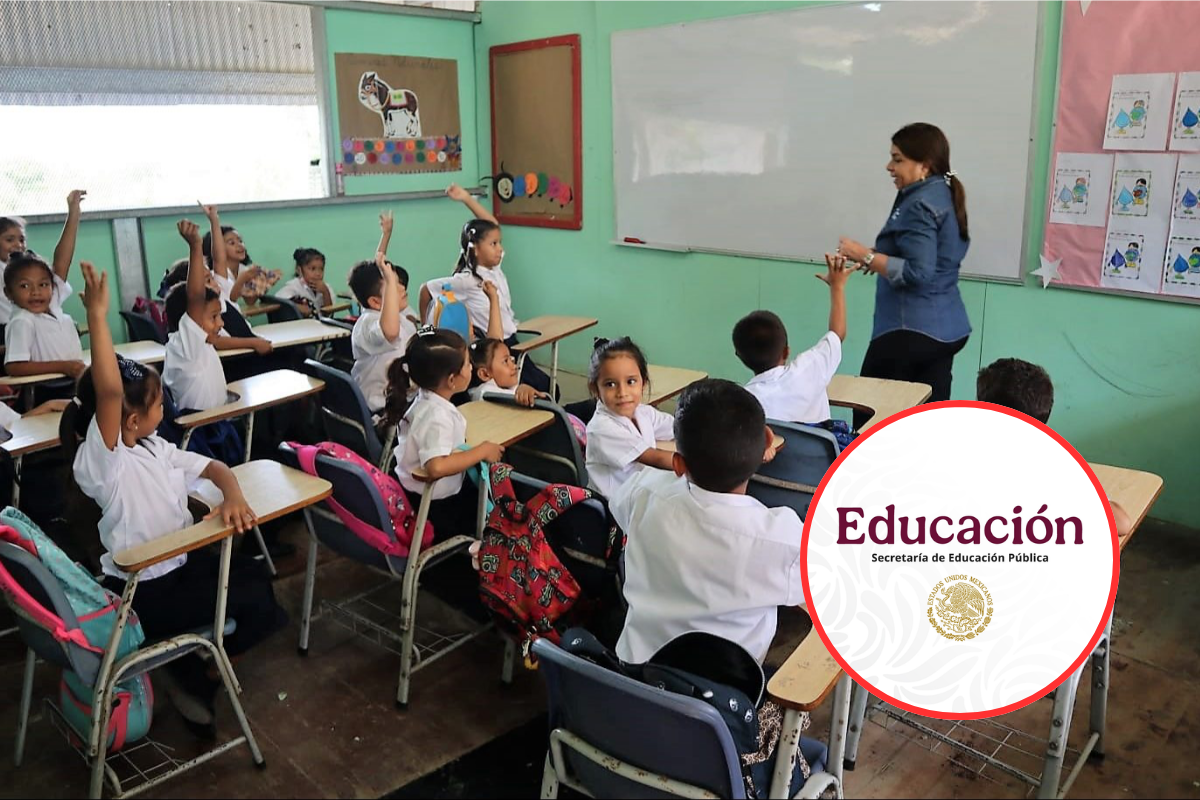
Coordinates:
(40, 337)
(308, 289)
(383, 328)
(236, 276)
(480, 256)
(140, 482)
(192, 368)
(623, 433)
(431, 432)
(795, 391)
(12, 240)
(1025, 387)
(496, 373)
(700, 554)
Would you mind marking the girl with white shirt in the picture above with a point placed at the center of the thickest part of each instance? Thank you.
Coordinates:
(40, 337)
(496, 373)
(624, 432)
(12, 241)
(431, 432)
(141, 483)
(308, 289)
(480, 256)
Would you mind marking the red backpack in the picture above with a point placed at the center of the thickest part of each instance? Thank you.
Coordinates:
(522, 581)
(403, 515)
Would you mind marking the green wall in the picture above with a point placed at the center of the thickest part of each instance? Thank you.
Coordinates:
(1119, 401)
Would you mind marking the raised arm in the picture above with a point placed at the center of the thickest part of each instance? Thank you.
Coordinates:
(220, 263)
(197, 287)
(456, 192)
(836, 279)
(106, 376)
(386, 223)
(64, 251)
(495, 320)
(423, 302)
(389, 313)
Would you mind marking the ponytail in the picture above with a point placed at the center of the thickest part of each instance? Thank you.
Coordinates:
(959, 194)
(398, 384)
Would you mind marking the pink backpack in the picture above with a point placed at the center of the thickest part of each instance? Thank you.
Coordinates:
(403, 515)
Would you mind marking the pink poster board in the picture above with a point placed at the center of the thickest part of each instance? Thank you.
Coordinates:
(1112, 38)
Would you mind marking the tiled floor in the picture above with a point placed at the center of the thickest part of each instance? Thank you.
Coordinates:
(329, 728)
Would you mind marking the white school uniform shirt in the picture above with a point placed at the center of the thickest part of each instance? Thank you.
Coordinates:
(298, 289)
(432, 427)
(8, 417)
(225, 286)
(614, 444)
(62, 290)
(490, 388)
(469, 292)
(193, 369)
(41, 337)
(697, 560)
(796, 392)
(373, 354)
(142, 492)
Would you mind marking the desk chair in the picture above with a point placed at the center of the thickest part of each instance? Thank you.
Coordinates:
(286, 312)
(552, 454)
(140, 328)
(355, 492)
(99, 670)
(791, 478)
(347, 418)
(613, 736)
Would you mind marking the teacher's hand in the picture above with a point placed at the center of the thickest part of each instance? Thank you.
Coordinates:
(852, 249)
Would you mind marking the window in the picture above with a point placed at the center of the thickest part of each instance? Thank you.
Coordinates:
(156, 103)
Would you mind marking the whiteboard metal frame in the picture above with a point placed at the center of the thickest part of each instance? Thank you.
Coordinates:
(1040, 56)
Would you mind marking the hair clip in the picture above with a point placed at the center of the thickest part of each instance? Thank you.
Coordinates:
(130, 370)
(426, 330)
(950, 174)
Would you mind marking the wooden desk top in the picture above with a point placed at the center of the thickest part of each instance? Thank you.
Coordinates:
(550, 329)
(258, 309)
(291, 334)
(1135, 491)
(271, 489)
(807, 677)
(776, 443)
(875, 394)
(335, 308)
(257, 392)
(666, 382)
(32, 434)
(145, 352)
(502, 424)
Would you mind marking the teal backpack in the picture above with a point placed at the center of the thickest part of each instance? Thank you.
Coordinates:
(95, 609)
(447, 311)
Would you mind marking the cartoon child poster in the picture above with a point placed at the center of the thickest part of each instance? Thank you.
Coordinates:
(1139, 111)
(1185, 122)
(1078, 193)
(1131, 193)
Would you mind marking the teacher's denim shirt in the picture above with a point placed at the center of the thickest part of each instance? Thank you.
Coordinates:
(920, 290)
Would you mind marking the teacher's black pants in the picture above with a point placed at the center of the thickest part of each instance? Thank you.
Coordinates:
(910, 356)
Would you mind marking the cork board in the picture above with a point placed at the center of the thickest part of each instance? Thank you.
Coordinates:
(397, 114)
(537, 133)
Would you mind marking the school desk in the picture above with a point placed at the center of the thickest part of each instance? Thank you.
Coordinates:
(259, 309)
(801, 685)
(145, 352)
(272, 490)
(883, 397)
(550, 329)
(292, 334)
(1134, 490)
(30, 435)
(776, 443)
(666, 382)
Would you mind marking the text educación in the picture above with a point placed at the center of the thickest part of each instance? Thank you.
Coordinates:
(884, 528)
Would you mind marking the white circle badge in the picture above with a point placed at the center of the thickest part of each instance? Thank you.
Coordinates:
(960, 560)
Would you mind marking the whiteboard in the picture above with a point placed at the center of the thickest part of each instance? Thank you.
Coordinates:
(768, 134)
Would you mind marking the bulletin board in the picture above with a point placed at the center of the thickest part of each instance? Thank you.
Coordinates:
(1101, 40)
(537, 133)
(397, 114)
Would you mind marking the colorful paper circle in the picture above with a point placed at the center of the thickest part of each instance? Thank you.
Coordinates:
(360, 158)
(368, 145)
(541, 183)
(409, 158)
(372, 157)
(347, 144)
(420, 156)
(358, 146)
(565, 195)
(397, 158)
(441, 158)
(531, 183)
(420, 144)
(519, 186)
(379, 147)
(553, 186)
(349, 158)
(441, 143)
(390, 146)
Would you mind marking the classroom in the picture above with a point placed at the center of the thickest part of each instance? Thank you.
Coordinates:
(318, 370)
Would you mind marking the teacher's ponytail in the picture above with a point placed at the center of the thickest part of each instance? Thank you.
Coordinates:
(926, 143)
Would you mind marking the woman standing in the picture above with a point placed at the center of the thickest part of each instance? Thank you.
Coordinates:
(920, 320)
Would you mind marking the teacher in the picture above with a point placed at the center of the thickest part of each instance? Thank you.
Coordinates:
(920, 320)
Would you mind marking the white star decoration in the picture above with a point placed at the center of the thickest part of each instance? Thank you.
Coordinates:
(1083, 5)
(1048, 271)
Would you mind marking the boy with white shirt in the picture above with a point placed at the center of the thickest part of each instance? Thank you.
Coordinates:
(382, 330)
(700, 554)
(794, 392)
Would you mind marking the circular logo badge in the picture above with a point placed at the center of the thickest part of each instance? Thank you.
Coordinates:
(960, 560)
